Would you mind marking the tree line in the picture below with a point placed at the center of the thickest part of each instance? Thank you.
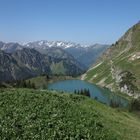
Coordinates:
(135, 105)
(25, 84)
(84, 92)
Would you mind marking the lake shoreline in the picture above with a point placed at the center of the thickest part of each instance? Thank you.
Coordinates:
(103, 95)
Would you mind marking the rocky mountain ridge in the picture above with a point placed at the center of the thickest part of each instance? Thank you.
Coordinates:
(84, 54)
(27, 63)
(118, 67)
(56, 57)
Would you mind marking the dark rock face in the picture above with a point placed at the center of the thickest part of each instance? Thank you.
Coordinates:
(27, 63)
(33, 60)
(10, 69)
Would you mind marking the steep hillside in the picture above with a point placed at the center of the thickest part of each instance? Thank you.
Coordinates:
(26, 63)
(119, 67)
(29, 114)
(63, 63)
(33, 60)
(10, 69)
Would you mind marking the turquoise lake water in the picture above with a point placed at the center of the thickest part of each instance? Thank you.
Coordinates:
(102, 95)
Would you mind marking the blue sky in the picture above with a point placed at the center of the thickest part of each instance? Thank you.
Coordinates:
(81, 21)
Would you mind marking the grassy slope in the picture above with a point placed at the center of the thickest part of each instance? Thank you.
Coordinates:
(30, 114)
(120, 55)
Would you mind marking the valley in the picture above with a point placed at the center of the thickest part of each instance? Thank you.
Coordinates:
(69, 69)
(63, 90)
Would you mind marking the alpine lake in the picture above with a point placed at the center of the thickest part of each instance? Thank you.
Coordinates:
(102, 95)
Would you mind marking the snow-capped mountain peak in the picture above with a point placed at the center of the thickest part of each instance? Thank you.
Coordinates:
(43, 44)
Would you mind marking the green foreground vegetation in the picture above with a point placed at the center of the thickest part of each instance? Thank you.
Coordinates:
(40, 115)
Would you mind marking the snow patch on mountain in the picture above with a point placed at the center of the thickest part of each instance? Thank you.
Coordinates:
(44, 44)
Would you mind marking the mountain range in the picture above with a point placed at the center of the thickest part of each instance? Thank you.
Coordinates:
(27, 62)
(84, 54)
(119, 67)
(42, 57)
